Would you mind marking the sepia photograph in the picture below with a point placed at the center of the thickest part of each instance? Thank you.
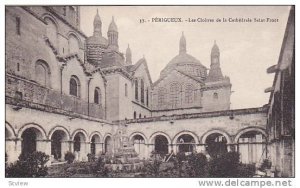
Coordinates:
(111, 91)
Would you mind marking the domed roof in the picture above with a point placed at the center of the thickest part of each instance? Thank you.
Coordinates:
(185, 59)
(113, 26)
(97, 40)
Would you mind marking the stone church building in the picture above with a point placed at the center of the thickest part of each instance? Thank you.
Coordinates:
(66, 91)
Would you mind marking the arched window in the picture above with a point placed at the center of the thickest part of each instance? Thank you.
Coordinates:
(97, 95)
(42, 72)
(134, 115)
(73, 44)
(126, 90)
(162, 92)
(174, 95)
(189, 91)
(136, 85)
(74, 86)
(142, 91)
(140, 116)
(51, 31)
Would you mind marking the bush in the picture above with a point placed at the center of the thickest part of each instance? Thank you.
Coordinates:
(178, 162)
(225, 165)
(152, 168)
(91, 157)
(266, 164)
(197, 165)
(69, 157)
(99, 168)
(246, 170)
(29, 165)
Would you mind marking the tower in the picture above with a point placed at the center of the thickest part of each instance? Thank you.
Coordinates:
(97, 25)
(128, 56)
(215, 73)
(215, 55)
(112, 35)
(182, 44)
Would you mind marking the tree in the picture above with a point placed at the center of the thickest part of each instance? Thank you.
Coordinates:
(197, 165)
(29, 165)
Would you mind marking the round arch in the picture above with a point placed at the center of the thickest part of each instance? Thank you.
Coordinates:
(106, 135)
(95, 133)
(49, 16)
(10, 129)
(152, 137)
(108, 143)
(219, 131)
(79, 131)
(43, 63)
(59, 128)
(242, 131)
(32, 125)
(188, 133)
(140, 134)
(72, 33)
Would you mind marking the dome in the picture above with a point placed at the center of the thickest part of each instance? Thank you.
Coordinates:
(97, 40)
(185, 63)
(113, 26)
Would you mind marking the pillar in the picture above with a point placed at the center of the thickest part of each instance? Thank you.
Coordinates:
(98, 147)
(170, 148)
(150, 148)
(44, 145)
(86, 151)
(10, 150)
(65, 147)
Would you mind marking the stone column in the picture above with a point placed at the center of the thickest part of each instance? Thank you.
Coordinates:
(175, 148)
(10, 150)
(71, 146)
(170, 148)
(18, 148)
(44, 145)
(150, 148)
(98, 147)
(65, 147)
(87, 150)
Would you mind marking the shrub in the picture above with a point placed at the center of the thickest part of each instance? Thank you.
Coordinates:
(266, 164)
(197, 165)
(246, 170)
(178, 162)
(99, 168)
(225, 165)
(29, 165)
(91, 157)
(69, 157)
(152, 168)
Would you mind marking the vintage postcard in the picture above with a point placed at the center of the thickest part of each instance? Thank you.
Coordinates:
(150, 92)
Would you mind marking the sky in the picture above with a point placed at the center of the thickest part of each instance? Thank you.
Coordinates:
(247, 49)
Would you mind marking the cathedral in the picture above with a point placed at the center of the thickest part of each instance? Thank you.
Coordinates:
(66, 91)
